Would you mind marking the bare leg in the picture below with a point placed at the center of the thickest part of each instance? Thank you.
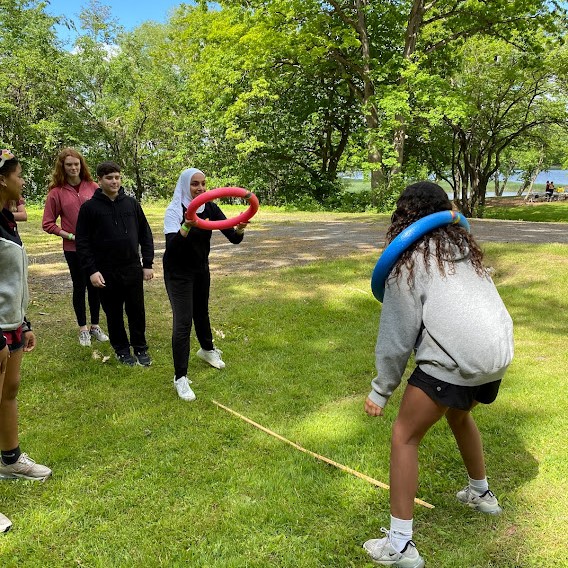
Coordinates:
(8, 404)
(469, 441)
(418, 412)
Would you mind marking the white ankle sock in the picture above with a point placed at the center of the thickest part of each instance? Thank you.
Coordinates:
(479, 486)
(400, 533)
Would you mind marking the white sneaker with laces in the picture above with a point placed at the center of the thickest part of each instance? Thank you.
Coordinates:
(212, 357)
(183, 389)
(5, 523)
(486, 502)
(84, 338)
(98, 333)
(24, 468)
(382, 552)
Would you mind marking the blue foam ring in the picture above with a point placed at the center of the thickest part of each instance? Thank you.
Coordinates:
(405, 239)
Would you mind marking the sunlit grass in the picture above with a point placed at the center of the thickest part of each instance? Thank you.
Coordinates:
(143, 479)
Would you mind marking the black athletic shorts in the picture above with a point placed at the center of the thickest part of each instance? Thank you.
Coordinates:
(454, 396)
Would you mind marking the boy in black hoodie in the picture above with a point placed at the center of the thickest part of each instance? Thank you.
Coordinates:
(112, 231)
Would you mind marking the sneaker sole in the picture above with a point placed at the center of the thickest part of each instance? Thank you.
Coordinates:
(22, 476)
(480, 508)
(419, 564)
(212, 365)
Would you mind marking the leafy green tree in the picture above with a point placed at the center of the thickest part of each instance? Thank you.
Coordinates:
(282, 116)
(31, 106)
(500, 96)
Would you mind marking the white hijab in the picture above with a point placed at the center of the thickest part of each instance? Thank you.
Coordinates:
(182, 196)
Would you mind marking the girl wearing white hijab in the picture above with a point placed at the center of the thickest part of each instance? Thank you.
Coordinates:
(187, 277)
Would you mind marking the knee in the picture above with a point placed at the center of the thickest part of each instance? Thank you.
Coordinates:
(457, 418)
(403, 435)
(10, 390)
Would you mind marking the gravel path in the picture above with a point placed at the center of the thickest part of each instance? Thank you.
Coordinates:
(278, 244)
(287, 244)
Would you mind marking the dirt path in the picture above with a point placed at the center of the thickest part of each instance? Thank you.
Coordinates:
(278, 244)
(288, 244)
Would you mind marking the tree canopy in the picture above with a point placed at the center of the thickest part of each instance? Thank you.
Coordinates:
(282, 96)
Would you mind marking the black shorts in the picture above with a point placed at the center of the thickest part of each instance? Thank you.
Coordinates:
(453, 396)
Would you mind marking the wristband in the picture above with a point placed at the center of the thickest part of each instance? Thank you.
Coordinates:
(71, 236)
(185, 227)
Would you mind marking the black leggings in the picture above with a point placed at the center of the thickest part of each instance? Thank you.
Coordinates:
(80, 284)
(189, 298)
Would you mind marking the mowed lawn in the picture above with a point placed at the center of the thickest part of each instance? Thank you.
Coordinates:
(144, 479)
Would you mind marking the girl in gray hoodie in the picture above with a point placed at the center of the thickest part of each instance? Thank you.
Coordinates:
(441, 304)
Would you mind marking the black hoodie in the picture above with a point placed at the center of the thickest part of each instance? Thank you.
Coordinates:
(111, 234)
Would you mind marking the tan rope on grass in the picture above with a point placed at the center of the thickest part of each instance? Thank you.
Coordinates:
(313, 454)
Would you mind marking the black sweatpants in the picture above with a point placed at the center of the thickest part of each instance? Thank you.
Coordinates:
(81, 282)
(189, 298)
(124, 292)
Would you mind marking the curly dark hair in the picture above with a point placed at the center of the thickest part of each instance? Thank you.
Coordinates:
(419, 200)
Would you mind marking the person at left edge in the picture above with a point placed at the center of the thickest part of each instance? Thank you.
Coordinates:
(112, 233)
(16, 336)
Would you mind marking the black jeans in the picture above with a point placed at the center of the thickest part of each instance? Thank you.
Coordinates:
(124, 292)
(81, 282)
(189, 297)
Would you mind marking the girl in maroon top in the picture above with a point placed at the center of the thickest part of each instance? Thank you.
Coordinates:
(70, 187)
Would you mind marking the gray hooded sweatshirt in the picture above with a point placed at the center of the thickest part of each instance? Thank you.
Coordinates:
(457, 325)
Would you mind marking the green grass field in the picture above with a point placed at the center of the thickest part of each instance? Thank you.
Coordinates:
(143, 479)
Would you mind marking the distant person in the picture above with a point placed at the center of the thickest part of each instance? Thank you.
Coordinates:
(187, 277)
(16, 335)
(71, 185)
(458, 365)
(112, 233)
(549, 190)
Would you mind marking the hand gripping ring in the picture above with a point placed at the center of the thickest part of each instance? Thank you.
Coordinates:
(405, 239)
(191, 212)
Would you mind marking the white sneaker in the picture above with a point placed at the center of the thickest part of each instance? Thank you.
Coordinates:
(98, 333)
(84, 338)
(382, 552)
(5, 523)
(24, 468)
(183, 389)
(212, 357)
(486, 502)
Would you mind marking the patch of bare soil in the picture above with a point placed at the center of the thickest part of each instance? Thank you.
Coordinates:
(283, 244)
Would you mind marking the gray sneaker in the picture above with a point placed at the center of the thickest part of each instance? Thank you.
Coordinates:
(24, 468)
(98, 333)
(5, 523)
(84, 338)
(382, 552)
(486, 502)
(212, 357)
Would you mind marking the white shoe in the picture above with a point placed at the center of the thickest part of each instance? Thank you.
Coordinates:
(84, 338)
(5, 523)
(486, 503)
(98, 333)
(382, 552)
(24, 468)
(183, 389)
(212, 357)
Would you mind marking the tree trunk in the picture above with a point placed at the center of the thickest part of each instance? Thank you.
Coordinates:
(410, 38)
